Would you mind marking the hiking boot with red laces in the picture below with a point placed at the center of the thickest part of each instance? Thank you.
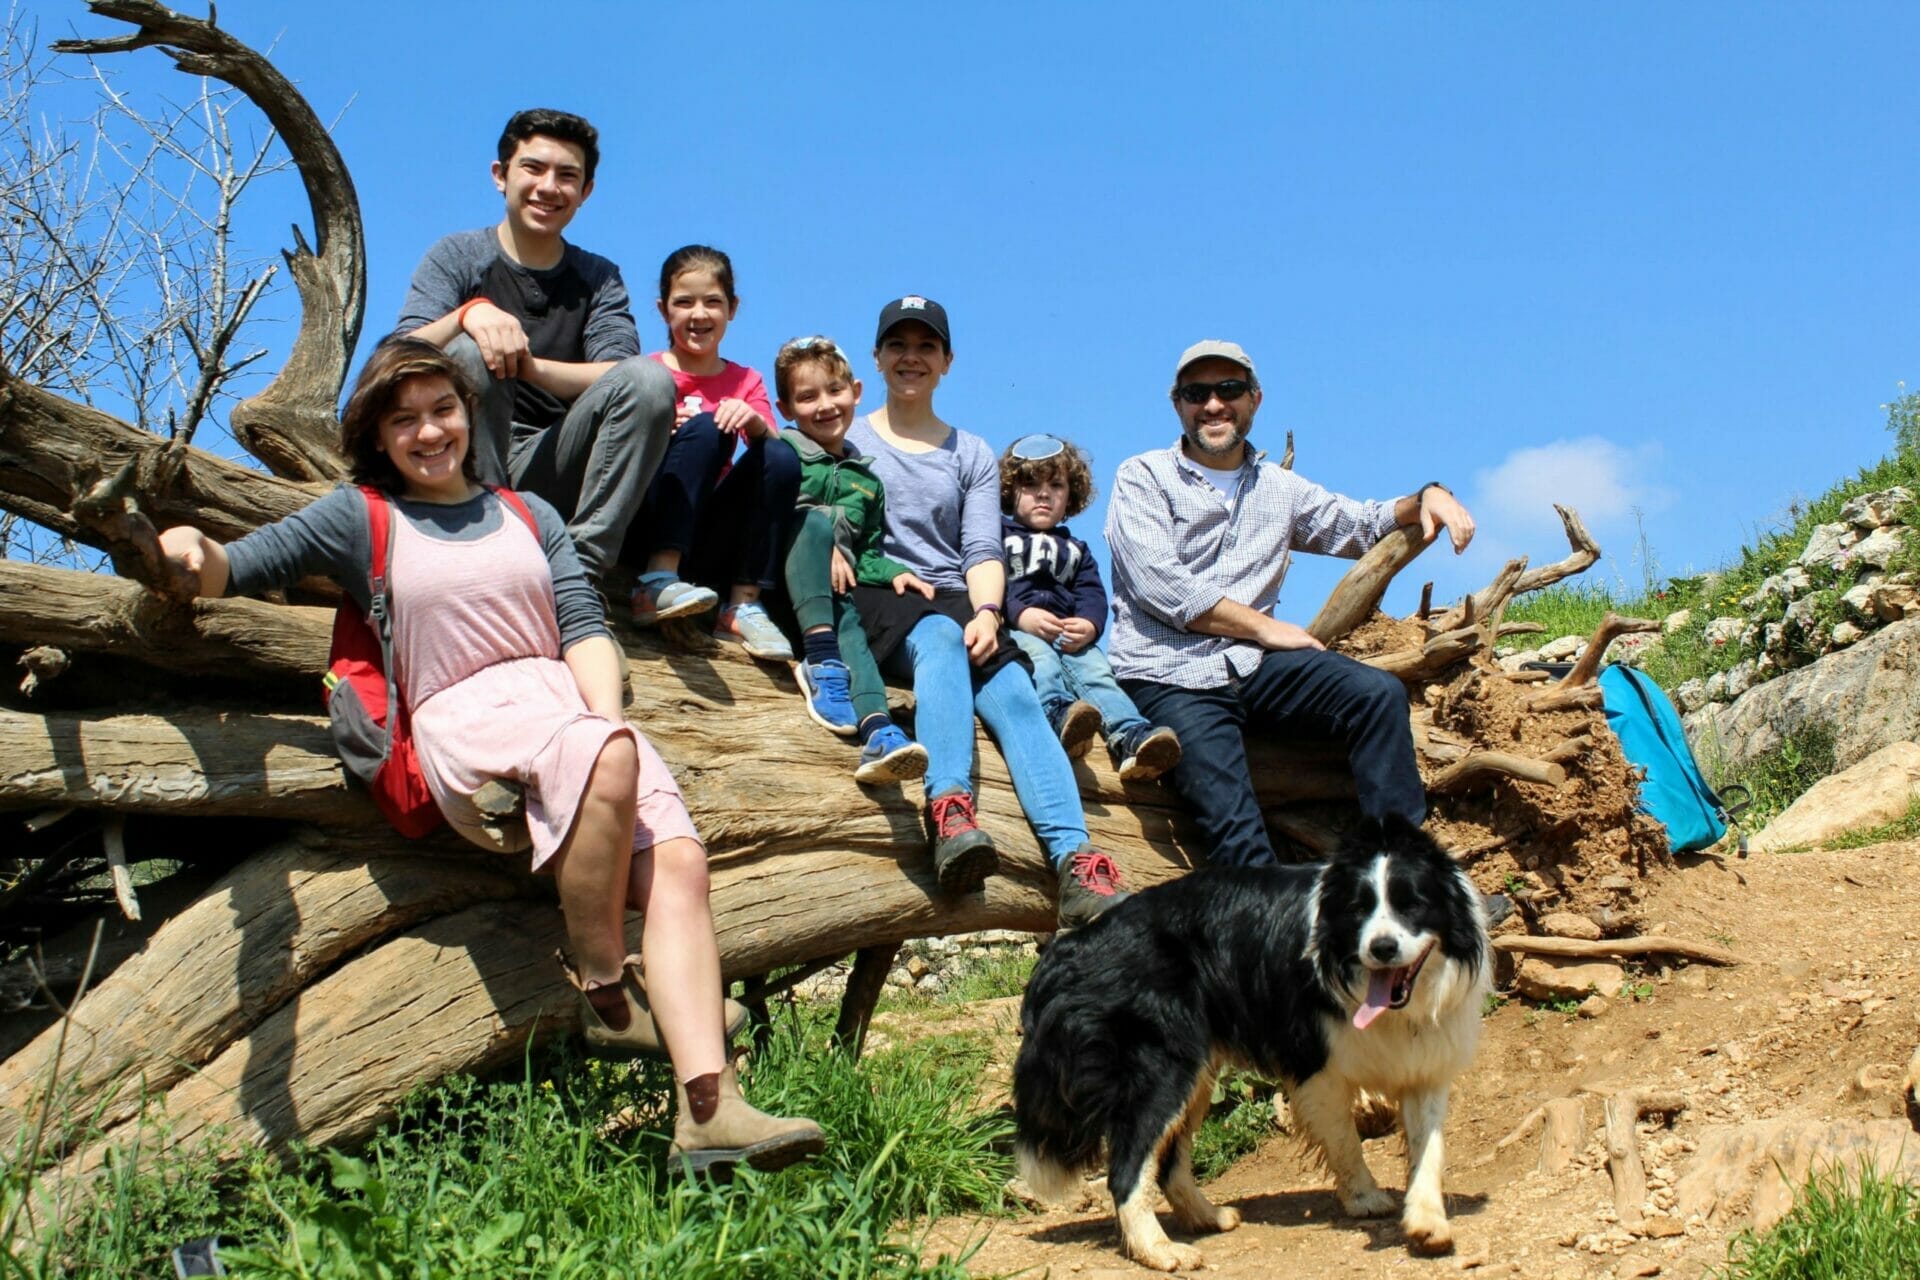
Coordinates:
(1089, 884)
(963, 854)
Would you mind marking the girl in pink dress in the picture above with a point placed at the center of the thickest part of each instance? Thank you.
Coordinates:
(503, 659)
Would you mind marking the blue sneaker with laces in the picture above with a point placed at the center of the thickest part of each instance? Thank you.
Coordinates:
(890, 756)
(828, 688)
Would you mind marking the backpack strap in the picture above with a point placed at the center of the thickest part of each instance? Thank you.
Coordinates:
(518, 506)
(380, 596)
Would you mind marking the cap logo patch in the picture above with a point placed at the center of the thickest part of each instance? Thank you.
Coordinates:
(913, 302)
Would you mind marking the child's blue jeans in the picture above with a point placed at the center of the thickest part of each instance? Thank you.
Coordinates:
(945, 700)
(1059, 678)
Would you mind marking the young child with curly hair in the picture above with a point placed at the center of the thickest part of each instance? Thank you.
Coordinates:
(1058, 608)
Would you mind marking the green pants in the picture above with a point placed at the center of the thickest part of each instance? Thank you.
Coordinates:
(810, 587)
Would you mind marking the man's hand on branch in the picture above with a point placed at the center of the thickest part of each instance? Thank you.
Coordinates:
(1438, 507)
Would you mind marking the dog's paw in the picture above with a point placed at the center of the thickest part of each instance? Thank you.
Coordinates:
(1207, 1217)
(1427, 1230)
(1169, 1256)
(1370, 1203)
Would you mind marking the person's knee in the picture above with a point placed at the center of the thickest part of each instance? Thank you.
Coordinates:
(680, 867)
(780, 468)
(465, 353)
(1383, 693)
(616, 773)
(639, 381)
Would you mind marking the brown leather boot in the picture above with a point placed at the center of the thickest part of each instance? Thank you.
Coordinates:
(622, 1025)
(716, 1129)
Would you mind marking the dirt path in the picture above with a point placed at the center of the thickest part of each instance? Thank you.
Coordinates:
(1828, 998)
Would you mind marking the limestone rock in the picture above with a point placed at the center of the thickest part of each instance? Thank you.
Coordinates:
(1552, 978)
(1871, 793)
(1879, 547)
(1826, 543)
(1565, 924)
(1858, 600)
(1867, 694)
(1843, 635)
(1893, 601)
(1762, 1164)
(1871, 510)
(1563, 649)
(1678, 620)
(1722, 631)
(1691, 695)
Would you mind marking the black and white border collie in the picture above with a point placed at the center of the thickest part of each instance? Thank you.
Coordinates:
(1364, 972)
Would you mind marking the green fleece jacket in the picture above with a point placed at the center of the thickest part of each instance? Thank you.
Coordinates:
(847, 488)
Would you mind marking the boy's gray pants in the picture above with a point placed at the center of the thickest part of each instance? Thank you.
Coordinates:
(593, 465)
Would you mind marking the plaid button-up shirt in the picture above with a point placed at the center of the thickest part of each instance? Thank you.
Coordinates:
(1179, 548)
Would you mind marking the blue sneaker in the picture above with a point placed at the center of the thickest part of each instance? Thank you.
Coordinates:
(890, 756)
(828, 688)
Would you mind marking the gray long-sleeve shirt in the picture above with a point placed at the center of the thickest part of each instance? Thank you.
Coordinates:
(330, 537)
(943, 505)
(1180, 547)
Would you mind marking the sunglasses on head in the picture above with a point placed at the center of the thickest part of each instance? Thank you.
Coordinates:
(817, 342)
(1200, 392)
(1036, 447)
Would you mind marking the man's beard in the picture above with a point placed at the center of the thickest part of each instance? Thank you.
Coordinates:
(1240, 432)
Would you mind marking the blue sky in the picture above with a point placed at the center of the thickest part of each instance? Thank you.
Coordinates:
(1652, 260)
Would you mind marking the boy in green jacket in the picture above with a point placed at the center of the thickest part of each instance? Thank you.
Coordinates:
(836, 545)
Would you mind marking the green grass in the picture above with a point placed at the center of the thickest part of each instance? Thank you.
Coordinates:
(477, 1180)
(1241, 1119)
(1842, 1227)
(1001, 972)
(1779, 777)
(1905, 827)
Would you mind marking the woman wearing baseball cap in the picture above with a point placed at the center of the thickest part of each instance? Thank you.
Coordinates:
(944, 626)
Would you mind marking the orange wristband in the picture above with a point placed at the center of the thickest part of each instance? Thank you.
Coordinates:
(460, 316)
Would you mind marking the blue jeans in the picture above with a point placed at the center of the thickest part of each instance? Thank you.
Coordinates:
(1295, 692)
(945, 700)
(1059, 678)
(729, 530)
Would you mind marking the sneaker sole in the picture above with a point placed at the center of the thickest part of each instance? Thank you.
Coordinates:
(1077, 730)
(806, 700)
(685, 609)
(783, 654)
(903, 765)
(1156, 755)
(968, 869)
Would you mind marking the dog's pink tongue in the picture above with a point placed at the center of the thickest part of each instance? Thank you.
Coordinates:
(1379, 994)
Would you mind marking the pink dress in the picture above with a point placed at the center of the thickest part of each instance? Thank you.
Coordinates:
(477, 651)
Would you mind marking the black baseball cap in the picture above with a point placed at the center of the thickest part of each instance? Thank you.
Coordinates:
(914, 307)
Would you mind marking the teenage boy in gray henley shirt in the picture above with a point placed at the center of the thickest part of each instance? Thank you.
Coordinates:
(568, 408)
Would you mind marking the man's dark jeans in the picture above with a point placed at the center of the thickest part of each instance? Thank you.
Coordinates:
(1306, 691)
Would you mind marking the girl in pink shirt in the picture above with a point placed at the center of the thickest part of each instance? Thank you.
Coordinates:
(717, 523)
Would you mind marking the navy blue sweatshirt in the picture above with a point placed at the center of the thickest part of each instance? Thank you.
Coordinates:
(1054, 571)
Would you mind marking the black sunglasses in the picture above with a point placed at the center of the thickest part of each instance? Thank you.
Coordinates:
(1201, 392)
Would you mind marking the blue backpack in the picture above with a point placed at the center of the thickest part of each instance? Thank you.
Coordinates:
(1672, 792)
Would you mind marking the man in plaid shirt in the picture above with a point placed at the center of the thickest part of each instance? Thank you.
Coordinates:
(1201, 535)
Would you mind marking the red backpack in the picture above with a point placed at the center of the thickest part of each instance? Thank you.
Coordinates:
(371, 729)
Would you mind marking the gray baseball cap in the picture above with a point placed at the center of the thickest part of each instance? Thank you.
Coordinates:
(1214, 347)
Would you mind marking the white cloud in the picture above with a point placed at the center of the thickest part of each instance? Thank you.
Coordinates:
(1600, 479)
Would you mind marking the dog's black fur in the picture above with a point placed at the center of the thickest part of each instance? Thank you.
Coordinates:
(1126, 1021)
